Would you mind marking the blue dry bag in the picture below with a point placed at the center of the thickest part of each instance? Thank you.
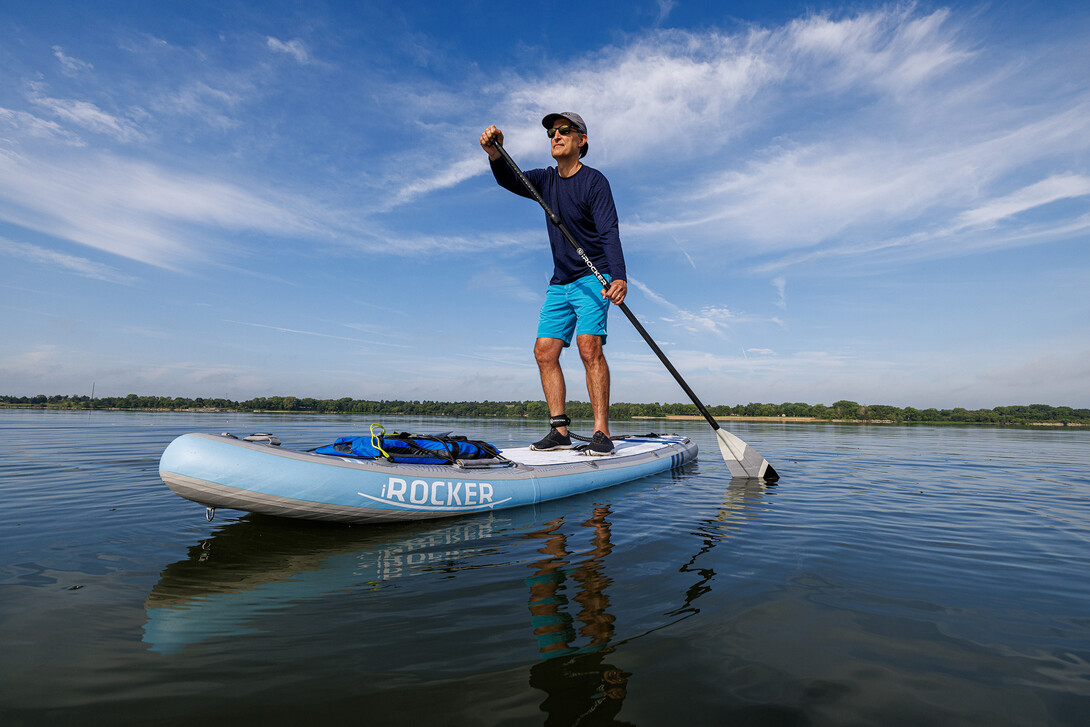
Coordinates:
(410, 448)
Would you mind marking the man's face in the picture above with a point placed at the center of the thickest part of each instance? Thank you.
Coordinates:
(565, 145)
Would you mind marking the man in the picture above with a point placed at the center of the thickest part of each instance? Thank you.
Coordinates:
(575, 302)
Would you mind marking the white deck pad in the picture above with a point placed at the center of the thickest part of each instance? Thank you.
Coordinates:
(623, 448)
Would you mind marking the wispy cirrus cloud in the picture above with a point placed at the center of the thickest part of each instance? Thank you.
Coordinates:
(800, 191)
(210, 105)
(453, 173)
(294, 48)
(842, 197)
(29, 126)
(713, 86)
(709, 319)
(136, 209)
(826, 135)
(893, 49)
(63, 262)
(665, 6)
(318, 334)
(1053, 189)
(780, 284)
(69, 64)
(88, 116)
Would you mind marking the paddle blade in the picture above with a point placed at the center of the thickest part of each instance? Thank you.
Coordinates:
(743, 460)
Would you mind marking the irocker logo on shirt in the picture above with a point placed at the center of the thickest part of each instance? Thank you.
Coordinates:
(442, 495)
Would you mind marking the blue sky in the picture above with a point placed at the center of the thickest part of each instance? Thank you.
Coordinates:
(888, 203)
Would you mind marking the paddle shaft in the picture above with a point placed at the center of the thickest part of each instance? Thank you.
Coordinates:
(555, 219)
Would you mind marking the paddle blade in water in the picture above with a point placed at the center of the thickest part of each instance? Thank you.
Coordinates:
(743, 460)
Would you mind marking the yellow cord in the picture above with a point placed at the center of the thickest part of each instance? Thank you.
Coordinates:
(376, 439)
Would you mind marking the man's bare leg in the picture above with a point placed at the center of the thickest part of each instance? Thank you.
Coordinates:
(590, 350)
(547, 352)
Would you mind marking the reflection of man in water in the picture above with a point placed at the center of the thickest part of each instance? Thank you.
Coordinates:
(576, 679)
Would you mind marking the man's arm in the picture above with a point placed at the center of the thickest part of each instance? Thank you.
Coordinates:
(505, 177)
(604, 212)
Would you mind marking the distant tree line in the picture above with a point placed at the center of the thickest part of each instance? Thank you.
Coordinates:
(841, 410)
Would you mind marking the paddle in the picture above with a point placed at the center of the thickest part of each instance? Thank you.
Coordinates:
(742, 460)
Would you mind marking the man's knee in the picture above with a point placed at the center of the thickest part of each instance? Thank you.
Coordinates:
(547, 351)
(590, 350)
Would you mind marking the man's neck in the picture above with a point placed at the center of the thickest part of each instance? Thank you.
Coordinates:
(567, 167)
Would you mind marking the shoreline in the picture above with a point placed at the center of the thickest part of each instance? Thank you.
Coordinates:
(668, 417)
(812, 420)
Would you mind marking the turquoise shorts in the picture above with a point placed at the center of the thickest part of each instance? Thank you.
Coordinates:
(576, 307)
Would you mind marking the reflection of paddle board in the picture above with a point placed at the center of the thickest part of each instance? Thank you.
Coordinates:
(222, 471)
(250, 569)
(255, 567)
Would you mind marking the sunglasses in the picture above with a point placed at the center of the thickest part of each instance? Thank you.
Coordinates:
(564, 130)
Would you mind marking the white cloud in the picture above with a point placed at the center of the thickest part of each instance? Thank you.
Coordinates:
(671, 81)
(68, 63)
(830, 136)
(665, 6)
(655, 297)
(203, 102)
(842, 197)
(318, 334)
(66, 263)
(862, 129)
(780, 284)
(812, 192)
(90, 117)
(705, 88)
(1055, 188)
(887, 48)
(295, 48)
(138, 210)
(453, 173)
(33, 127)
(436, 168)
(709, 319)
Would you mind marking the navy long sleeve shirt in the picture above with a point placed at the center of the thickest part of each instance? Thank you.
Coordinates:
(584, 202)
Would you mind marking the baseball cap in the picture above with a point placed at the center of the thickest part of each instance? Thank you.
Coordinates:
(576, 121)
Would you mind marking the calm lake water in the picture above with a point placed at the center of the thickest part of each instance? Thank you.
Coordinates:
(894, 576)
